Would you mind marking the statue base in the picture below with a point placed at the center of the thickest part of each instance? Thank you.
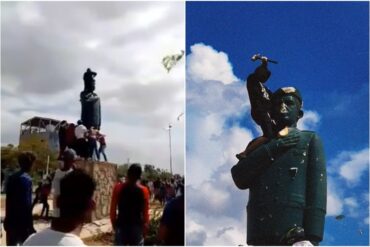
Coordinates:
(105, 177)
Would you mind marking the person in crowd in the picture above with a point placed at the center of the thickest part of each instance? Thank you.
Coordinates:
(18, 222)
(81, 140)
(37, 194)
(92, 145)
(76, 203)
(102, 146)
(44, 195)
(171, 228)
(151, 190)
(70, 136)
(156, 186)
(144, 183)
(132, 201)
(162, 193)
(62, 137)
(68, 157)
(2, 181)
(170, 192)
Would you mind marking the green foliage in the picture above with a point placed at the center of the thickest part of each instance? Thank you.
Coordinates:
(155, 220)
(150, 172)
(122, 170)
(9, 157)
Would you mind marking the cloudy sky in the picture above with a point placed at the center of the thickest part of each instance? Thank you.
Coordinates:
(323, 50)
(47, 46)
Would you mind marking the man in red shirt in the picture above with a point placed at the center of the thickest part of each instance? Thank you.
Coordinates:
(132, 201)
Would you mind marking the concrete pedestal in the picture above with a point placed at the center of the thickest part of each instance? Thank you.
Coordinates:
(105, 176)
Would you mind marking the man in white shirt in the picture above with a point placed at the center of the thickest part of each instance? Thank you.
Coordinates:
(69, 156)
(76, 204)
(80, 133)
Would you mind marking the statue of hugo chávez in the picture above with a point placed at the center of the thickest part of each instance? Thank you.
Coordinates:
(90, 102)
(284, 169)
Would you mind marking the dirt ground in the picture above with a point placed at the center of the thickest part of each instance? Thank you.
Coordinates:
(105, 239)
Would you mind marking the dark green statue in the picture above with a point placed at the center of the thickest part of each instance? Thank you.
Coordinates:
(286, 178)
(90, 102)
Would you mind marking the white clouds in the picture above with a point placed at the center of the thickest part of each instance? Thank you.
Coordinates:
(350, 165)
(215, 208)
(209, 141)
(354, 165)
(29, 14)
(309, 121)
(220, 230)
(352, 206)
(351, 201)
(205, 63)
(366, 220)
(334, 201)
(345, 172)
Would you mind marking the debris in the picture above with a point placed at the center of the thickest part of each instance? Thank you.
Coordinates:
(339, 217)
(171, 60)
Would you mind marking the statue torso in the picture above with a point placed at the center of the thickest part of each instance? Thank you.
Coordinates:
(277, 198)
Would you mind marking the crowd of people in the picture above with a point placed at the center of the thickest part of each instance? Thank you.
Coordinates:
(84, 141)
(73, 202)
(132, 198)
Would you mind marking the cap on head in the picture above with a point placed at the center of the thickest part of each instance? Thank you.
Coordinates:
(288, 91)
(69, 155)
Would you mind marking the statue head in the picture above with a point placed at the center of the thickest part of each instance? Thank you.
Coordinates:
(286, 107)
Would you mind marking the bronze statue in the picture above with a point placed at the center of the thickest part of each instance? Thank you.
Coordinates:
(286, 178)
(90, 102)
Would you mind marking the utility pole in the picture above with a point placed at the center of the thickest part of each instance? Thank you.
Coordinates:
(47, 165)
(169, 136)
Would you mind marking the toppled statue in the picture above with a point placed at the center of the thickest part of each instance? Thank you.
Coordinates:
(90, 101)
(286, 177)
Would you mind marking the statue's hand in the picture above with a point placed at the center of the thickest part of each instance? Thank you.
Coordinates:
(264, 60)
(275, 146)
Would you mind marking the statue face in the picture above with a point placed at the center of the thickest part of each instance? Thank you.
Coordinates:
(286, 111)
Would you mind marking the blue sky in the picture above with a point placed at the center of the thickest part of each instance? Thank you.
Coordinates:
(323, 50)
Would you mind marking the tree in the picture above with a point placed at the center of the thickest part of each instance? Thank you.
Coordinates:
(122, 170)
(9, 157)
(43, 154)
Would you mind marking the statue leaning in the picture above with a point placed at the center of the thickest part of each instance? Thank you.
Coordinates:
(90, 102)
(285, 173)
